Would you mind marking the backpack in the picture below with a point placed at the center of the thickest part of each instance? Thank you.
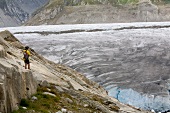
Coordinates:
(26, 55)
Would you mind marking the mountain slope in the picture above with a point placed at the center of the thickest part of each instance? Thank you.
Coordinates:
(15, 12)
(87, 12)
(17, 83)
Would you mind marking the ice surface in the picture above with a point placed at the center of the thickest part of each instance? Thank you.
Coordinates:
(144, 101)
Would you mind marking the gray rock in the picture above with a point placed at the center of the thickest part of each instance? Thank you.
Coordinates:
(86, 105)
(69, 100)
(24, 107)
(58, 88)
(47, 93)
(34, 98)
(45, 84)
(64, 110)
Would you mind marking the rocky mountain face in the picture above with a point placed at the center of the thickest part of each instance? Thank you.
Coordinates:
(101, 11)
(15, 12)
(17, 83)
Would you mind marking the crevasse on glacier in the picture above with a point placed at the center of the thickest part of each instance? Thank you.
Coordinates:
(144, 101)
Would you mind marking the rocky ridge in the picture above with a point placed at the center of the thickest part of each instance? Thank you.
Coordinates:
(17, 83)
(80, 12)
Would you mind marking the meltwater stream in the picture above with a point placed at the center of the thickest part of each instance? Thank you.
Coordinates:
(131, 61)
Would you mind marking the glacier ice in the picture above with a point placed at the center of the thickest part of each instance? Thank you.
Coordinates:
(144, 101)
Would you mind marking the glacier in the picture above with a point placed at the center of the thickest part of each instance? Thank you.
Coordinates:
(144, 101)
(130, 60)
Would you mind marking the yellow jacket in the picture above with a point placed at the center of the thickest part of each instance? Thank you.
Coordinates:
(28, 53)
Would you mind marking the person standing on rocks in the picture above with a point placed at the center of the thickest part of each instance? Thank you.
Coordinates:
(26, 53)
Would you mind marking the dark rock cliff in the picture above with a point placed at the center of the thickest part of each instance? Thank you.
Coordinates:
(15, 12)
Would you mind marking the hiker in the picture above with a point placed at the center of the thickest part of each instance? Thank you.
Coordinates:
(26, 53)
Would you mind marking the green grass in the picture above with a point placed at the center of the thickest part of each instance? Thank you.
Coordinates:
(127, 1)
(47, 103)
(44, 104)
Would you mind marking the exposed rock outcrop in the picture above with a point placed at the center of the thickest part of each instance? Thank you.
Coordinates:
(17, 83)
